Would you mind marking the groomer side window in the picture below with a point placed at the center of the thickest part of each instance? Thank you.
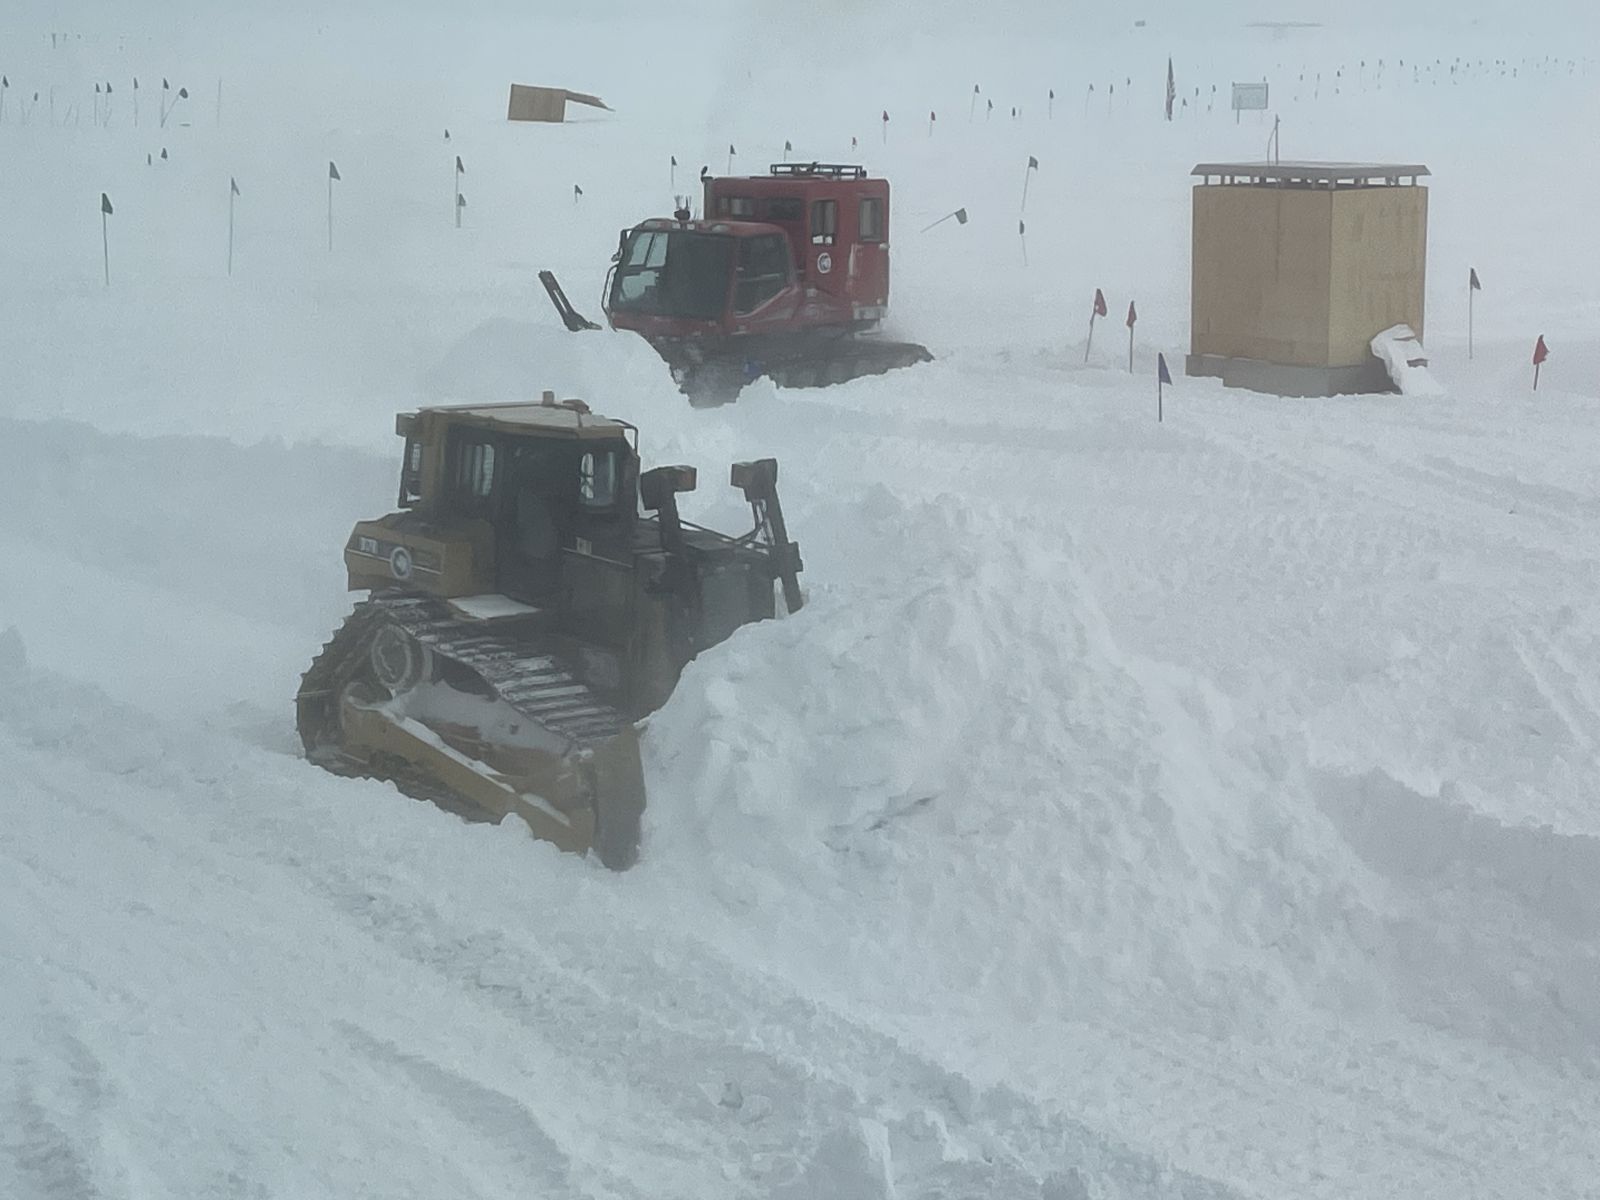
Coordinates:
(824, 222)
(871, 219)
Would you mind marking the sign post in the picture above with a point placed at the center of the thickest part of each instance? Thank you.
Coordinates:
(1248, 97)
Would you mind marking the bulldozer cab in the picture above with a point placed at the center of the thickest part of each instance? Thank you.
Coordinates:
(542, 479)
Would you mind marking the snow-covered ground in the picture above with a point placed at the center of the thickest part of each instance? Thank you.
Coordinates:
(1203, 809)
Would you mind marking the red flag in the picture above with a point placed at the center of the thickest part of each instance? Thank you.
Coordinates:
(1164, 375)
(1540, 351)
(1132, 314)
(1099, 303)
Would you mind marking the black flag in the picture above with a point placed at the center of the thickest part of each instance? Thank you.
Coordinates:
(165, 86)
(163, 154)
(447, 135)
(460, 170)
(233, 185)
(576, 191)
(1472, 279)
(183, 93)
(674, 159)
(105, 204)
(333, 171)
(961, 216)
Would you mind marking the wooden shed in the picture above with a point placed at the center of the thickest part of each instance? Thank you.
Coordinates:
(1297, 266)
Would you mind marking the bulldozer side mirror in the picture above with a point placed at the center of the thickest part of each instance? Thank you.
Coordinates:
(658, 485)
(757, 480)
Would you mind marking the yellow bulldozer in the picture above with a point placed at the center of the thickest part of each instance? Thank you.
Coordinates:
(523, 614)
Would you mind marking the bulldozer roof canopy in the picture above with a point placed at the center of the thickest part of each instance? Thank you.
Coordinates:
(550, 420)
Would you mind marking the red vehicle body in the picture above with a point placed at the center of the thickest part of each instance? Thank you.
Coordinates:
(782, 277)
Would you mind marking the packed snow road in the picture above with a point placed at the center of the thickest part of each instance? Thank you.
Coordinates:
(1183, 810)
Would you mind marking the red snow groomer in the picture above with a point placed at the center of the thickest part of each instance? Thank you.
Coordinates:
(787, 276)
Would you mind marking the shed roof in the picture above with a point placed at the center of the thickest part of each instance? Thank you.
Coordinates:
(1330, 173)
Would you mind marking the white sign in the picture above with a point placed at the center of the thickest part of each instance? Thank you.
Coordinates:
(1249, 97)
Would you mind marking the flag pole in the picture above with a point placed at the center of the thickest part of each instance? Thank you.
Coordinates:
(1130, 349)
(1090, 344)
(1470, 290)
(231, 195)
(1159, 386)
(330, 212)
(105, 249)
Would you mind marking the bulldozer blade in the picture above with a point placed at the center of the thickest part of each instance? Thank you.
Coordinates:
(618, 776)
(570, 317)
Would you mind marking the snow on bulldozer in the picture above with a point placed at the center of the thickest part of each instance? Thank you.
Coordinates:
(787, 276)
(523, 614)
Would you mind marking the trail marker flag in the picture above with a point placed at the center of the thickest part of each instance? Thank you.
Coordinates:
(1472, 286)
(960, 215)
(333, 173)
(1133, 314)
(1163, 377)
(105, 237)
(1027, 175)
(1099, 310)
(1172, 88)
(1133, 317)
(233, 190)
(1540, 353)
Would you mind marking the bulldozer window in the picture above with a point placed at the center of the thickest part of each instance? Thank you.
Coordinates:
(411, 473)
(473, 476)
(597, 480)
(871, 229)
(735, 206)
(824, 222)
(763, 272)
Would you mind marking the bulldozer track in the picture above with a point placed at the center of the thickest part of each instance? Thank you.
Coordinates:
(510, 663)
